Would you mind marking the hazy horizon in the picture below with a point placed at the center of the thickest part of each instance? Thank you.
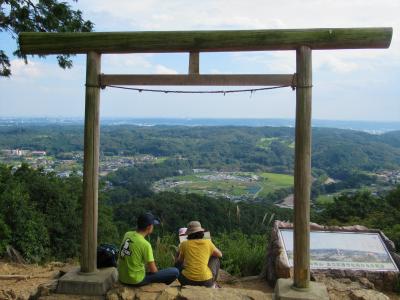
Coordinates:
(186, 118)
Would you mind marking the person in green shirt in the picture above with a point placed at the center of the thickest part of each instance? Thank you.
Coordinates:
(136, 254)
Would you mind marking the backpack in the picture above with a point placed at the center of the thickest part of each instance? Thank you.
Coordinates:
(107, 255)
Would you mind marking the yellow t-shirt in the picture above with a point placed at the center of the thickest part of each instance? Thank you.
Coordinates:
(196, 254)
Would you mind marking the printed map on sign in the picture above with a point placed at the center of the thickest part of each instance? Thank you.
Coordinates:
(343, 250)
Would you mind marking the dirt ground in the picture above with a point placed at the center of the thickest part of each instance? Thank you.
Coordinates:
(36, 276)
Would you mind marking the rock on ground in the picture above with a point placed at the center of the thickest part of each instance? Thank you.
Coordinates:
(163, 292)
(346, 289)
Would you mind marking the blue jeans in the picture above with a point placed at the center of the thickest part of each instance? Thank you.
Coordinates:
(166, 276)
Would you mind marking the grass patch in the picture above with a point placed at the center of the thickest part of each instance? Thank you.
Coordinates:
(160, 159)
(243, 255)
(165, 249)
(325, 199)
(274, 181)
(265, 143)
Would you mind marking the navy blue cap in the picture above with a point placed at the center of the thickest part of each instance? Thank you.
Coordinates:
(147, 219)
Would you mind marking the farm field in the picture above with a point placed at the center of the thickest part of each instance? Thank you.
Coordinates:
(274, 181)
(265, 143)
(232, 185)
(324, 199)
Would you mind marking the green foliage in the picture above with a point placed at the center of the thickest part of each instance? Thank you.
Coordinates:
(243, 255)
(131, 182)
(41, 214)
(29, 234)
(336, 152)
(39, 16)
(217, 215)
(107, 230)
(380, 212)
(5, 236)
(59, 202)
(165, 249)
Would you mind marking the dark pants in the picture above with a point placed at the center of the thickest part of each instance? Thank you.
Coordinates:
(213, 264)
(166, 276)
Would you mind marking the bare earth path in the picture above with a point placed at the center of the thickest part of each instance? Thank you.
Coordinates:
(38, 277)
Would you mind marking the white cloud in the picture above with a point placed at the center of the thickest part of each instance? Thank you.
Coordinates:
(160, 69)
(134, 64)
(22, 70)
(237, 14)
(126, 63)
(39, 69)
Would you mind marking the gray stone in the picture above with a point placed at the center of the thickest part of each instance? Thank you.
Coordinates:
(13, 255)
(170, 293)
(147, 296)
(97, 283)
(45, 289)
(201, 293)
(153, 288)
(69, 297)
(366, 283)
(284, 291)
(367, 295)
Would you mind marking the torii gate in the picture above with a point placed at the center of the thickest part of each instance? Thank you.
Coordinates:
(303, 41)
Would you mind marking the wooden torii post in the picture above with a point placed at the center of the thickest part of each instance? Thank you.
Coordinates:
(303, 41)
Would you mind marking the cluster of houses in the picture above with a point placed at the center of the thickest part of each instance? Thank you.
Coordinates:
(71, 163)
(389, 176)
(20, 152)
(110, 164)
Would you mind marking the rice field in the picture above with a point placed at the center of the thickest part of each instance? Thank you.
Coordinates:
(233, 185)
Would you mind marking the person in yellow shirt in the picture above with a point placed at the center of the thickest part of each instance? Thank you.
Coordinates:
(199, 258)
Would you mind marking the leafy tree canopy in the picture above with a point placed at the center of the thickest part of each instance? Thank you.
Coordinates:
(38, 16)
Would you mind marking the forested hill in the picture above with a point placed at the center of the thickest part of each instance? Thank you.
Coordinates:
(392, 138)
(220, 147)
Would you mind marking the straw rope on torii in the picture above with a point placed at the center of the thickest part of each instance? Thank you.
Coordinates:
(303, 41)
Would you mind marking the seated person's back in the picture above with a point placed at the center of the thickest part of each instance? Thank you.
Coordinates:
(197, 253)
(136, 254)
(133, 260)
(199, 258)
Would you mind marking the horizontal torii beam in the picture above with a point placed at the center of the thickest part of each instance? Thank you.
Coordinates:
(200, 80)
(204, 41)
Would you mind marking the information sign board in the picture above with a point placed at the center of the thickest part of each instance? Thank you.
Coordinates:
(343, 250)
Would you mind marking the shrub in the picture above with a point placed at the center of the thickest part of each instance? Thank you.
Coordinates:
(243, 255)
(5, 236)
(164, 250)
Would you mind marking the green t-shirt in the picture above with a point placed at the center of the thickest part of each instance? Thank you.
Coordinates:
(135, 253)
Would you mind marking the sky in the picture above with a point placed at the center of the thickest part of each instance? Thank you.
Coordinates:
(347, 84)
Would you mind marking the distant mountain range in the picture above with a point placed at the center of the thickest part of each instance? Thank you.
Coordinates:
(374, 127)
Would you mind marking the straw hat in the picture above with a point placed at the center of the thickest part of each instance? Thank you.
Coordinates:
(193, 227)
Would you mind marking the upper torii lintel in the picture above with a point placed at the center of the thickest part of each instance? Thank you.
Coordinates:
(204, 41)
